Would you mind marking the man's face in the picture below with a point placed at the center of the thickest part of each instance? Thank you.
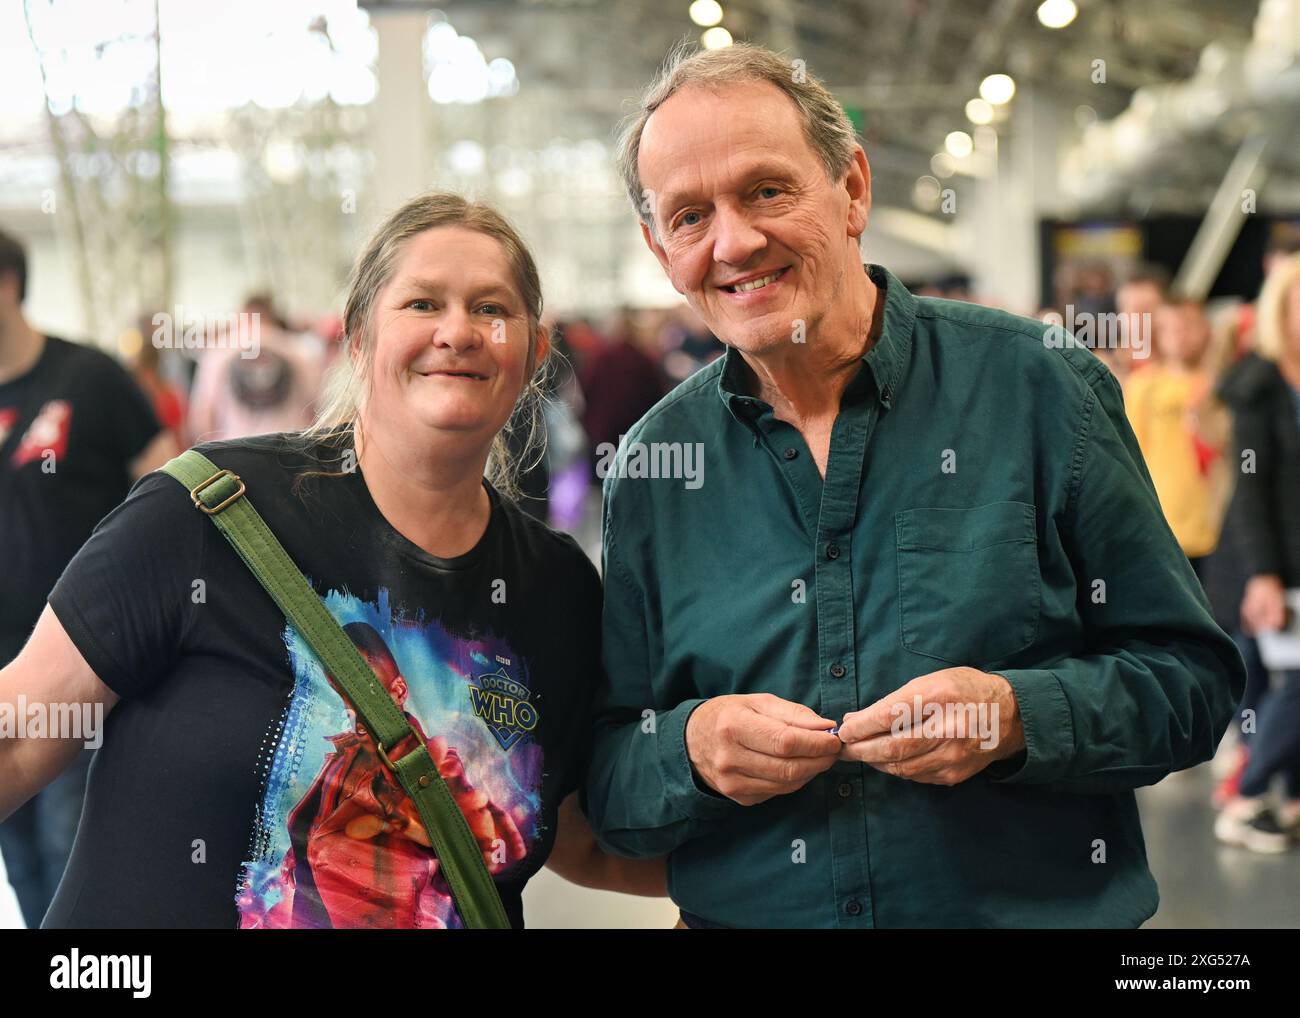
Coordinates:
(1140, 298)
(739, 196)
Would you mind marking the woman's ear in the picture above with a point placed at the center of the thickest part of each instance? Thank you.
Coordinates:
(541, 347)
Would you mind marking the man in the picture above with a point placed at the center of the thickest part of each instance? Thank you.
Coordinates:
(916, 520)
(1137, 301)
(75, 431)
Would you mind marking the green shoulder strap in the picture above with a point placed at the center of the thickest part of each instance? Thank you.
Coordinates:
(222, 496)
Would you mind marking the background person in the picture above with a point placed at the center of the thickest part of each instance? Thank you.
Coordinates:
(1259, 559)
(75, 431)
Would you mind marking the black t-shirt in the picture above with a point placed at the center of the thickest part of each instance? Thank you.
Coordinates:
(69, 429)
(234, 786)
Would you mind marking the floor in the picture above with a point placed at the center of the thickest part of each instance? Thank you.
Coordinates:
(1203, 883)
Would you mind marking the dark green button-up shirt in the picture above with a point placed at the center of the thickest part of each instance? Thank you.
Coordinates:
(984, 504)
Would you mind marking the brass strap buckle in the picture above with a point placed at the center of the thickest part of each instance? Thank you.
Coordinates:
(199, 503)
(423, 781)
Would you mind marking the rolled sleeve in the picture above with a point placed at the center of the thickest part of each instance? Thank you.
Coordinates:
(1048, 727)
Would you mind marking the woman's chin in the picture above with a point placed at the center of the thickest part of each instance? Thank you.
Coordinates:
(467, 424)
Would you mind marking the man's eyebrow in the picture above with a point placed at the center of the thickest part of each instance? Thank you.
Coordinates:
(755, 171)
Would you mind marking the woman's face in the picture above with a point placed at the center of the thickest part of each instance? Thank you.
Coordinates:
(1291, 320)
(451, 338)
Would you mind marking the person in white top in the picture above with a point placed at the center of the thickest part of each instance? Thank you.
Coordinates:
(248, 387)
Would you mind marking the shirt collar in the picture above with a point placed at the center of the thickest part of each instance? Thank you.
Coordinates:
(886, 360)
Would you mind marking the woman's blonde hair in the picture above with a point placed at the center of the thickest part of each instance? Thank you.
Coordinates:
(518, 445)
(1270, 317)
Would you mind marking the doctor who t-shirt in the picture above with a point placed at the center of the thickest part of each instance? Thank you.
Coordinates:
(235, 785)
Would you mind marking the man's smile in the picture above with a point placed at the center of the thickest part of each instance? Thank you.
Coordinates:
(755, 282)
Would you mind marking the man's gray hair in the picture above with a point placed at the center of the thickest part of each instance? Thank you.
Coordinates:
(825, 124)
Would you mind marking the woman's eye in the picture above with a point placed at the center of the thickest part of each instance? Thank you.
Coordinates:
(495, 310)
(420, 305)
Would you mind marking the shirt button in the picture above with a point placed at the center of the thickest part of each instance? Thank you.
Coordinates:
(845, 789)
(791, 453)
(838, 670)
(886, 394)
(832, 550)
(853, 907)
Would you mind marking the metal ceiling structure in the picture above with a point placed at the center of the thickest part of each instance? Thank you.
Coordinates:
(910, 65)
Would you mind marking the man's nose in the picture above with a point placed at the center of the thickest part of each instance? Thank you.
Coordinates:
(735, 239)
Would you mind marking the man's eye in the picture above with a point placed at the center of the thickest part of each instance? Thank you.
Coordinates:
(763, 191)
(690, 219)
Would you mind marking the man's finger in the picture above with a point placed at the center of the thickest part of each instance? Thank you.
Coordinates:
(870, 721)
(783, 771)
(789, 712)
(765, 735)
(889, 748)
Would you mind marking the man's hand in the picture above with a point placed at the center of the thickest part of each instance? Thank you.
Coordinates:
(1263, 608)
(967, 719)
(753, 746)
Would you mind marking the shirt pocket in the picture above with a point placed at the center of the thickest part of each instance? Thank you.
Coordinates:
(968, 583)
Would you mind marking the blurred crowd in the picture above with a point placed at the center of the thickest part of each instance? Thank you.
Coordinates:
(1213, 396)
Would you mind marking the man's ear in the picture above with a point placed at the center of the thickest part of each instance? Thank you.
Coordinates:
(9, 289)
(858, 184)
(659, 253)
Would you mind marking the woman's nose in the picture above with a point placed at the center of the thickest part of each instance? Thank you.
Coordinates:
(457, 329)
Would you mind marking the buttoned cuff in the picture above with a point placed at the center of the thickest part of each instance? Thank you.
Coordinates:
(687, 795)
(1048, 727)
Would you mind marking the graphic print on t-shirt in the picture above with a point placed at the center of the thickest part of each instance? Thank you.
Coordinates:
(47, 434)
(8, 418)
(339, 843)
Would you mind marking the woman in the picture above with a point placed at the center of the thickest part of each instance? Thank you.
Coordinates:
(1258, 559)
(235, 785)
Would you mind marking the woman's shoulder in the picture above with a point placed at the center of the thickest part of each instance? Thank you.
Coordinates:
(279, 453)
(550, 551)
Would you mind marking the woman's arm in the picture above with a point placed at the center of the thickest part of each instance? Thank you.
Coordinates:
(577, 858)
(48, 674)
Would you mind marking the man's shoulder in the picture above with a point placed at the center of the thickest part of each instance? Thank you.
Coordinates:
(691, 404)
(989, 332)
(86, 361)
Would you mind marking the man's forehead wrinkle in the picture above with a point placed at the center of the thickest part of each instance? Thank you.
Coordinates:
(741, 163)
(672, 128)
